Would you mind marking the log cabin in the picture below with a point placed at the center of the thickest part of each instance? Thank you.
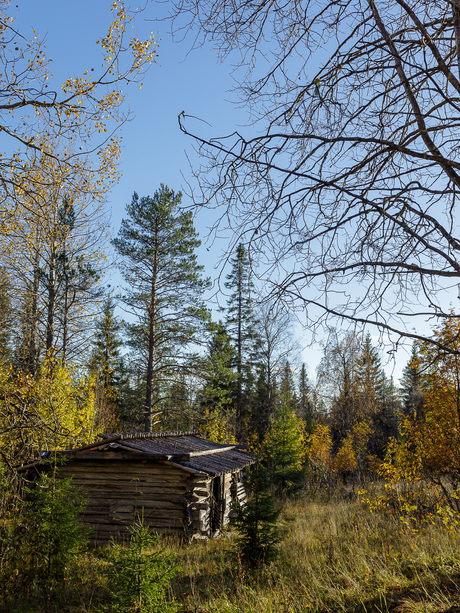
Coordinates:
(177, 481)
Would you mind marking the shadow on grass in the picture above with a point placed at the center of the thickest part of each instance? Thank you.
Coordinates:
(442, 596)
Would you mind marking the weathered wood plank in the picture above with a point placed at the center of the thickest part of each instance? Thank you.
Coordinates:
(124, 469)
(121, 508)
(132, 487)
(100, 496)
(122, 525)
(145, 502)
(128, 475)
(130, 518)
(105, 540)
(122, 479)
(161, 482)
(93, 489)
(185, 457)
(200, 492)
(172, 496)
(104, 489)
(119, 482)
(116, 456)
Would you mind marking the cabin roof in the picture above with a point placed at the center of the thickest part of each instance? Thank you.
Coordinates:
(183, 449)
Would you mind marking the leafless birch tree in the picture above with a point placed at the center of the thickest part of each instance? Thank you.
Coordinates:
(345, 183)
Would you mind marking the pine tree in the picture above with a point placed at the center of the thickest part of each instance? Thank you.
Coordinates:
(164, 289)
(240, 323)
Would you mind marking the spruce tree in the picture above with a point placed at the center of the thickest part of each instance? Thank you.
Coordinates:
(256, 520)
(370, 379)
(105, 356)
(157, 242)
(376, 398)
(412, 386)
(177, 405)
(139, 575)
(306, 401)
(385, 422)
(285, 444)
(240, 324)
(106, 363)
(261, 405)
(219, 382)
(287, 392)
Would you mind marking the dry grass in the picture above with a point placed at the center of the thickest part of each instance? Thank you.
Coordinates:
(334, 557)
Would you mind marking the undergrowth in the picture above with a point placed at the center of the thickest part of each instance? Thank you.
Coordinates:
(334, 556)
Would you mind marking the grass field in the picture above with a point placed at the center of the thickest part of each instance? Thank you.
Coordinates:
(334, 556)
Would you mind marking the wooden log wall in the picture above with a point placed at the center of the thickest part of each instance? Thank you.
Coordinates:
(238, 490)
(199, 506)
(227, 498)
(241, 493)
(119, 493)
(169, 498)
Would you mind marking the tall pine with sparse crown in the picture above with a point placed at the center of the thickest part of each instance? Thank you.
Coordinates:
(157, 242)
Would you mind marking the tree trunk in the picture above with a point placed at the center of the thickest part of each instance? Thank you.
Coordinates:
(239, 345)
(456, 16)
(152, 344)
(32, 358)
(51, 306)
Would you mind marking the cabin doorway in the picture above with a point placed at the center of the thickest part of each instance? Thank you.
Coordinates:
(217, 509)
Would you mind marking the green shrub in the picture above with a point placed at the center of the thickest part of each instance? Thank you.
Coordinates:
(256, 520)
(43, 537)
(139, 578)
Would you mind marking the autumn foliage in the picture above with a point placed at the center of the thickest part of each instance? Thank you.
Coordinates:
(53, 410)
(422, 466)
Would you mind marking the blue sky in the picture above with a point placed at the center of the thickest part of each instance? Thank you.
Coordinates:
(153, 146)
(154, 150)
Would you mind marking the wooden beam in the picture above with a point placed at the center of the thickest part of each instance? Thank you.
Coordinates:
(187, 469)
(196, 454)
(185, 457)
(19, 469)
(99, 443)
(114, 455)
